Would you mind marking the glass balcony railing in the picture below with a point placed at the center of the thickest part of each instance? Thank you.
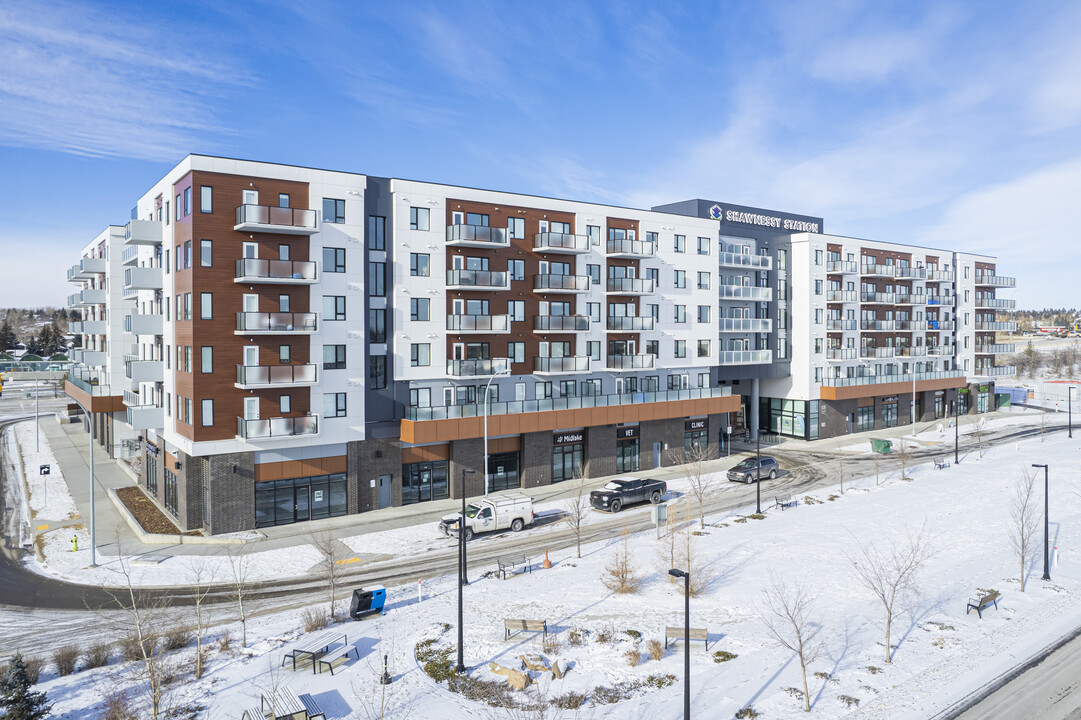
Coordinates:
(940, 350)
(745, 292)
(876, 270)
(630, 286)
(911, 299)
(911, 351)
(947, 300)
(842, 325)
(991, 280)
(896, 378)
(911, 325)
(915, 273)
(878, 352)
(942, 325)
(878, 325)
(993, 302)
(478, 323)
(745, 357)
(842, 353)
(631, 362)
(996, 326)
(268, 218)
(850, 296)
(561, 365)
(561, 323)
(476, 279)
(276, 323)
(631, 248)
(476, 236)
(278, 427)
(560, 243)
(478, 368)
(995, 348)
(275, 375)
(879, 298)
(749, 262)
(561, 283)
(620, 323)
(847, 267)
(256, 270)
(745, 325)
(941, 275)
(91, 382)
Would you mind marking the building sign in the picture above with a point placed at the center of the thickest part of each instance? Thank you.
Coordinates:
(702, 424)
(939, 393)
(963, 391)
(889, 399)
(738, 216)
(151, 449)
(626, 433)
(984, 388)
(569, 438)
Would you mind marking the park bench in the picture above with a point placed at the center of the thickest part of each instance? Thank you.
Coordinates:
(941, 463)
(311, 708)
(674, 634)
(784, 501)
(981, 604)
(328, 659)
(513, 627)
(284, 705)
(511, 562)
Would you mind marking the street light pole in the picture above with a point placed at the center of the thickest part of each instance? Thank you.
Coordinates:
(486, 389)
(913, 399)
(461, 576)
(1046, 562)
(1069, 408)
(686, 639)
(758, 472)
(37, 416)
(956, 428)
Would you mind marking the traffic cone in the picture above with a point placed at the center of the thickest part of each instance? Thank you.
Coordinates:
(547, 563)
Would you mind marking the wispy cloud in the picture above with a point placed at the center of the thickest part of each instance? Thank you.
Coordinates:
(85, 81)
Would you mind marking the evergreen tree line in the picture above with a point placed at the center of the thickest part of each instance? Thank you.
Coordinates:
(1062, 362)
(40, 329)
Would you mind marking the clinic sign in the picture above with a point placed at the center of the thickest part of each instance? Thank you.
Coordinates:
(762, 220)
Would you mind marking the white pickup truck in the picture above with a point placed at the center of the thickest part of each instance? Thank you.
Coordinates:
(491, 513)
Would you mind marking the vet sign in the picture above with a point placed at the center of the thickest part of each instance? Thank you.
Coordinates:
(44, 470)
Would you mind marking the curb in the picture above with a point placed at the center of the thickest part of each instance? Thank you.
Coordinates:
(162, 539)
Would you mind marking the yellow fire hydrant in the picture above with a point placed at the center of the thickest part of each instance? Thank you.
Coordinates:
(74, 543)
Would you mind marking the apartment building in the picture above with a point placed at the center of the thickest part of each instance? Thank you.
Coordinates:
(281, 344)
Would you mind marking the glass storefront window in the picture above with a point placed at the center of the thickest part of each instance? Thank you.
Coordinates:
(503, 471)
(889, 415)
(627, 455)
(425, 481)
(283, 502)
(566, 461)
(695, 441)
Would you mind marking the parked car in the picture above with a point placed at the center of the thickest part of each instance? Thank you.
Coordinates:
(627, 491)
(492, 513)
(746, 471)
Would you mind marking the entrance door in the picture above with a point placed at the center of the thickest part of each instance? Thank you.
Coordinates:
(302, 498)
(251, 408)
(251, 302)
(656, 455)
(251, 355)
(384, 491)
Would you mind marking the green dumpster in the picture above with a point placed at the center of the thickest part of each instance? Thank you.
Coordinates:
(881, 446)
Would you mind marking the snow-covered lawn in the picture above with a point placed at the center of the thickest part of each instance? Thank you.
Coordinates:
(50, 500)
(941, 652)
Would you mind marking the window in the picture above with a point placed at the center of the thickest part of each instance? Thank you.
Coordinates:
(170, 491)
(206, 306)
(703, 348)
(818, 257)
(703, 313)
(593, 349)
(818, 316)
(333, 307)
(283, 303)
(680, 244)
(594, 272)
(377, 232)
(516, 268)
(285, 404)
(966, 271)
(206, 254)
(179, 307)
(703, 281)
(206, 199)
(334, 357)
(377, 279)
(818, 345)
(187, 306)
(681, 313)
(284, 354)
(594, 233)
(594, 311)
(516, 310)
(516, 352)
(818, 287)
(703, 246)
(179, 258)
(333, 405)
(187, 201)
(418, 218)
(418, 265)
(425, 481)
(420, 397)
(418, 309)
(681, 279)
(189, 413)
(187, 358)
(481, 219)
(681, 348)
(377, 372)
(654, 311)
(179, 208)
(283, 200)
(206, 359)
(655, 275)
(516, 228)
(377, 325)
(333, 260)
(207, 411)
(165, 262)
(187, 253)
(543, 390)
(653, 347)
(420, 355)
(333, 210)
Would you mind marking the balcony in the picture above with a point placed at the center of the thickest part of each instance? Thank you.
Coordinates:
(839, 382)
(988, 280)
(87, 327)
(878, 353)
(93, 358)
(562, 243)
(745, 325)
(143, 324)
(466, 324)
(86, 269)
(912, 273)
(942, 325)
(995, 348)
(842, 325)
(279, 427)
(940, 350)
(999, 371)
(745, 262)
(276, 220)
(261, 323)
(842, 353)
(911, 325)
(941, 276)
(141, 278)
(142, 232)
(879, 298)
(910, 351)
(745, 292)
(561, 323)
(630, 248)
(140, 371)
(745, 357)
(146, 417)
(630, 286)
(996, 327)
(911, 299)
(256, 377)
(983, 301)
(844, 267)
(561, 283)
(631, 362)
(89, 296)
(872, 270)
(561, 365)
(476, 280)
(628, 324)
(277, 272)
(878, 325)
(947, 300)
(849, 296)
(478, 368)
(130, 256)
(476, 236)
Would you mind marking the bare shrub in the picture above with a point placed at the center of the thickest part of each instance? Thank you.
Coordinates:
(656, 649)
(620, 575)
(97, 655)
(905, 455)
(175, 639)
(633, 657)
(576, 637)
(65, 658)
(118, 707)
(225, 641)
(791, 620)
(569, 701)
(1024, 521)
(33, 669)
(315, 619)
(551, 644)
(132, 647)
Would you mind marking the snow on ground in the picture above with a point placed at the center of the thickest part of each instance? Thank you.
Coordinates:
(941, 652)
(50, 500)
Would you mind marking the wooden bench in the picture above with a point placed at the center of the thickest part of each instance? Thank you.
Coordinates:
(785, 501)
(674, 634)
(311, 707)
(328, 659)
(979, 606)
(941, 463)
(513, 627)
(510, 562)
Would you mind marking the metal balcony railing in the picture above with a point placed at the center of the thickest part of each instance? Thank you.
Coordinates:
(282, 271)
(842, 296)
(268, 218)
(277, 427)
(476, 236)
(990, 280)
(846, 267)
(276, 375)
(631, 286)
(261, 322)
(631, 248)
(560, 243)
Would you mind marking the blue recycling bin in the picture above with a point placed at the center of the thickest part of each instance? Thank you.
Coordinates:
(367, 601)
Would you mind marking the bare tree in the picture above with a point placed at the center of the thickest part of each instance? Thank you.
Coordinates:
(979, 433)
(905, 454)
(269, 688)
(1024, 521)
(241, 588)
(791, 619)
(701, 477)
(1043, 425)
(578, 508)
(378, 701)
(620, 575)
(891, 573)
(331, 569)
(876, 458)
(841, 472)
(666, 550)
(200, 578)
(688, 557)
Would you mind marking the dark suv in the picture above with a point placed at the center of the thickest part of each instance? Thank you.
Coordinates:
(745, 472)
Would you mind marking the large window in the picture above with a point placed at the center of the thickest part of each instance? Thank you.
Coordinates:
(170, 491)
(207, 412)
(418, 218)
(419, 264)
(283, 502)
(865, 418)
(206, 359)
(418, 309)
(695, 443)
(334, 357)
(377, 279)
(889, 415)
(333, 405)
(333, 307)
(567, 460)
(377, 325)
(377, 372)
(503, 471)
(206, 199)
(377, 232)
(333, 210)
(152, 473)
(420, 354)
(206, 306)
(791, 418)
(627, 455)
(206, 254)
(425, 481)
(333, 260)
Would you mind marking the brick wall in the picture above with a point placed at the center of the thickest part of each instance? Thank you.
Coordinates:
(467, 454)
(601, 450)
(189, 493)
(232, 494)
(668, 431)
(367, 461)
(537, 459)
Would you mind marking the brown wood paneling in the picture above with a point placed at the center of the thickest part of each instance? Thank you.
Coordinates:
(425, 453)
(504, 444)
(95, 403)
(300, 468)
(457, 429)
(895, 388)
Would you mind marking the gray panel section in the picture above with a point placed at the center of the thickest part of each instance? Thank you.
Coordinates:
(379, 405)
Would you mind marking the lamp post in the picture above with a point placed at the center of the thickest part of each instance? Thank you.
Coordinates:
(686, 639)
(93, 544)
(913, 400)
(461, 575)
(486, 389)
(1069, 408)
(956, 428)
(1046, 563)
(758, 472)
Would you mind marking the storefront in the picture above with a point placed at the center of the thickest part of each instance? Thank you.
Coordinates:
(940, 404)
(983, 399)
(695, 436)
(889, 412)
(503, 471)
(424, 481)
(790, 418)
(283, 502)
(568, 455)
(627, 449)
(865, 418)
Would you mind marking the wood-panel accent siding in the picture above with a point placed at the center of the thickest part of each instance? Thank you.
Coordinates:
(895, 388)
(95, 403)
(425, 453)
(288, 469)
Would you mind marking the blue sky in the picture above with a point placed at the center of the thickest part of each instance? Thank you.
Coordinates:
(944, 124)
